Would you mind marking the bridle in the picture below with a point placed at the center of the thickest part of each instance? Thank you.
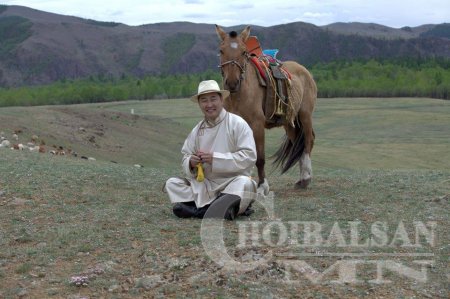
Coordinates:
(242, 68)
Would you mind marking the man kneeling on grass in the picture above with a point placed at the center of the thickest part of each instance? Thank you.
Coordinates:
(221, 146)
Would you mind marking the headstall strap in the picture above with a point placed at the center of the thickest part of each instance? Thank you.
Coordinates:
(242, 68)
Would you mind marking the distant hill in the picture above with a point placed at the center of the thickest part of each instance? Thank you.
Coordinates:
(37, 47)
(378, 31)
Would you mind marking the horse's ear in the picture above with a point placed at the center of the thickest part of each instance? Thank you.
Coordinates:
(222, 34)
(245, 34)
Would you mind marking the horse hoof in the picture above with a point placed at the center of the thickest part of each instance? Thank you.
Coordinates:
(263, 188)
(302, 184)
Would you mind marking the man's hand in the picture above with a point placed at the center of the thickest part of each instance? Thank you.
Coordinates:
(194, 160)
(205, 157)
(201, 157)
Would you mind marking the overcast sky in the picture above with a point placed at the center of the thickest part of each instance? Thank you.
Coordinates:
(261, 12)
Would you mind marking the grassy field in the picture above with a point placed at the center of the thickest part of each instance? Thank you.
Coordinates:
(384, 160)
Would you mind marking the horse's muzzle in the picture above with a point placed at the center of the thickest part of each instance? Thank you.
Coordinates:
(233, 88)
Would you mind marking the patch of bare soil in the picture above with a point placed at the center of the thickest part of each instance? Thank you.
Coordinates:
(89, 132)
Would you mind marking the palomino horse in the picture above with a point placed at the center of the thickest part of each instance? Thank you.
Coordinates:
(247, 99)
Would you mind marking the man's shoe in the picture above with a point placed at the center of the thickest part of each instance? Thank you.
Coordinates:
(248, 211)
(225, 206)
(184, 210)
(201, 212)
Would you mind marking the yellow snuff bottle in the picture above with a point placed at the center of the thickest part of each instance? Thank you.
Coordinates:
(200, 174)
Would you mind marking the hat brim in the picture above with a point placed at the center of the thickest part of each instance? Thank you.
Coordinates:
(225, 94)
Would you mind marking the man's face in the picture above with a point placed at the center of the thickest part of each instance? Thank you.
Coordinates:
(211, 104)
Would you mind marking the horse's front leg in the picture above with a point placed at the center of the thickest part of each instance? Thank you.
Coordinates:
(259, 134)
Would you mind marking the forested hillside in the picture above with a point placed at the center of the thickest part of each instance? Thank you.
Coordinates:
(38, 48)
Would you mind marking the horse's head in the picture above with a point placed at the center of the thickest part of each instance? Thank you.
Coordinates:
(233, 57)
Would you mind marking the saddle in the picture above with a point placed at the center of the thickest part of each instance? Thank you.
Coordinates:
(274, 77)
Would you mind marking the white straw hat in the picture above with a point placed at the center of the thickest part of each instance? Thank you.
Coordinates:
(207, 87)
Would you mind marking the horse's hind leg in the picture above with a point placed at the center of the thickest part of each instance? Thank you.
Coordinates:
(305, 160)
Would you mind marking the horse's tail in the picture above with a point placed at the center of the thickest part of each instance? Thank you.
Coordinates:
(290, 152)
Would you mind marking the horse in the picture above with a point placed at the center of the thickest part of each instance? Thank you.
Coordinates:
(247, 99)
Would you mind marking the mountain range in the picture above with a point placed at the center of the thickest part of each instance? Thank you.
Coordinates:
(38, 47)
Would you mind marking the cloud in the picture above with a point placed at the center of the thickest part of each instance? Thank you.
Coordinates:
(195, 15)
(243, 6)
(314, 15)
(117, 13)
(236, 12)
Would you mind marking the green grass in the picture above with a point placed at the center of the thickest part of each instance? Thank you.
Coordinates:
(382, 133)
(374, 160)
(359, 133)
